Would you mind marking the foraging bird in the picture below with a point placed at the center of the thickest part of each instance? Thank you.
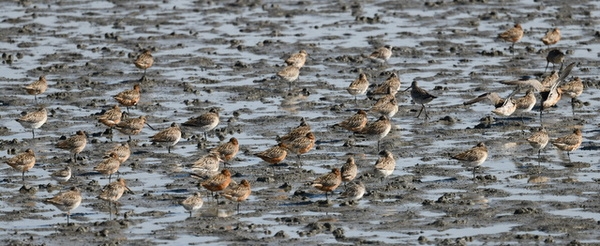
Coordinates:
(113, 191)
(555, 56)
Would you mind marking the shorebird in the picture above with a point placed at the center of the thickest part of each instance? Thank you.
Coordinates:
(113, 191)
(359, 86)
(74, 144)
(297, 59)
(109, 165)
(22, 162)
(62, 175)
(555, 56)
(301, 145)
(512, 35)
(390, 86)
(129, 98)
(170, 136)
(66, 201)
(551, 37)
(572, 89)
(420, 96)
(387, 106)
(502, 107)
(548, 87)
(205, 122)
(569, 142)
(289, 74)
(132, 126)
(273, 155)
(218, 182)
(111, 117)
(37, 87)
(207, 165)
(328, 182)
(238, 193)
(349, 170)
(227, 151)
(381, 54)
(385, 164)
(355, 191)
(538, 140)
(356, 122)
(144, 61)
(297, 132)
(380, 128)
(34, 120)
(193, 202)
(473, 157)
(123, 152)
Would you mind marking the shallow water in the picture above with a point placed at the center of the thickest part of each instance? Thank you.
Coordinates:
(196, 47)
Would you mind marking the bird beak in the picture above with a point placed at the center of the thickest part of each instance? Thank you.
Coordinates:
(149, 126)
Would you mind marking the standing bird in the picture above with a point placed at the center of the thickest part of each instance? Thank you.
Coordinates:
(113, 191)
(356, 122)
(297, 59)
(385, 164)
(123, 152)
(132, 126)
(355, 191)
(349, 170)
(218, 182)
(359, 86)
(22, 162)
(129, 98)
(289, 74)
(62, 175)
(390, 86)
(205, 122)
(420, 96)
(66, 201)
(273, 155)
(238, 193)
(379, 129)
(551, 37)
(302, 145)
(569, 142)
(144, 61)
(170, 136)
(207, 165)
(572, 89)
(297, 132)
(387, 106)
(34, 120)
(538, 140)
(37, 87)
(555, 56)
(473, 157)
(328, 182)
(74, 144)
(381, 54)
(512, 35)
(193, 202)
(109, 165)
(227, 151)
(111, 117)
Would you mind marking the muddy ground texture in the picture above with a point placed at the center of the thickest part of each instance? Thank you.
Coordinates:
(424, 201)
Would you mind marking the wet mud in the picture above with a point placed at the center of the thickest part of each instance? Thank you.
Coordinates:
(211, 54)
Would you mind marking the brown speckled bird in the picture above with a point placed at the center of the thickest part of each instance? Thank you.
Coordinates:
(218, 182)
(328, 182)
(238, 193)
(22, 162)
(227, 151)
(74, 144)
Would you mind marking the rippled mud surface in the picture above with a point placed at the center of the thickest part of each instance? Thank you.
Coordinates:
(225, 54)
